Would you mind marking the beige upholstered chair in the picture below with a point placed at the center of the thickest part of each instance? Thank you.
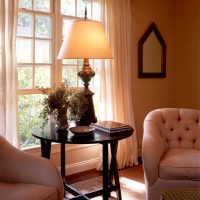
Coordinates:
(27, 177)
(171, 150)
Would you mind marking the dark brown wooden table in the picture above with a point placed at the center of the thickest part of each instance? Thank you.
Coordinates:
(49, 134)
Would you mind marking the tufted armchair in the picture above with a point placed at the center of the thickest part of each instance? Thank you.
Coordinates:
(171, 150)
(27, 177)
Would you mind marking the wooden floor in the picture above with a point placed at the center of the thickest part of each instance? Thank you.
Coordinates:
(134, 173)
(82, 176)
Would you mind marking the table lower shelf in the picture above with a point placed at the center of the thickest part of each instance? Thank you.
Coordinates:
(78, 195)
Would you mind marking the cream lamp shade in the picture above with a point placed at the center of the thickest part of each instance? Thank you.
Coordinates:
(85, 39)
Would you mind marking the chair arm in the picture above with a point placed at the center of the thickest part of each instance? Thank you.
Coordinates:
(153, 148)
(22, 167)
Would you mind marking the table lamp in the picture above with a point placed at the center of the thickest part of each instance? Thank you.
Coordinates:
(86, 39)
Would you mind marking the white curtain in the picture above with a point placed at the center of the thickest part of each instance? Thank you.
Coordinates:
(8, 98)
(116, 79)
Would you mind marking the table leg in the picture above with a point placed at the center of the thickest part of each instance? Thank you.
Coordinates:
(45, 148)
(114, 168)
(62, 160)
(105, 171)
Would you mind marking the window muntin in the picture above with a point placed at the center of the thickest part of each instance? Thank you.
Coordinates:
(38, 36)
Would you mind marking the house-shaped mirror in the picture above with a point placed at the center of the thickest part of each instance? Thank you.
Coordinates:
(152, 54)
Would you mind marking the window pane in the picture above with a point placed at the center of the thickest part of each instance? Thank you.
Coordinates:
(42, 76)
(80, 62)
(27, 4)
(68, 7)
(25, 25)
(81, 9)
(0, 48)
(70, 75)
(25, 75)
(42, 5)
(80, 82)
(96, 101)
(24, 50)
(69, 61)
(42, 51)
(97, 77)
(66, 27)
(42, 26)
(96, 10)
(29, 108)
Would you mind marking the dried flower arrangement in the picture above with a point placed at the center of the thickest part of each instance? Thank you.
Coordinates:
(63, 104)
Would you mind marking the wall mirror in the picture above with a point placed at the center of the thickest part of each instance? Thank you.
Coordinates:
(152, 54)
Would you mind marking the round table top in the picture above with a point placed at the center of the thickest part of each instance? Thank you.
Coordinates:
(50, 133)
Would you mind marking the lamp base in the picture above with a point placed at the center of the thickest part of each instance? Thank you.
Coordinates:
(89, 116)
(86, 74)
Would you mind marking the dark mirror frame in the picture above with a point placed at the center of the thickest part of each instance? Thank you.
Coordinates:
(141, 73)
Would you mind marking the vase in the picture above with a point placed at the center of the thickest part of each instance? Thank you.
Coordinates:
(74, 123)
(61, 119)
(61, 126)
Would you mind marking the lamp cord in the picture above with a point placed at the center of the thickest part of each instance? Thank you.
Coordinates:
(85, 12)
(85, 1)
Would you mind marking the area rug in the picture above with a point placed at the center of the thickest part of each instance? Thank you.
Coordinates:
(130, 189)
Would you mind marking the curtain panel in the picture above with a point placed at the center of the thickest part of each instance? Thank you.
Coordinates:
(8, 97)
(116, 82)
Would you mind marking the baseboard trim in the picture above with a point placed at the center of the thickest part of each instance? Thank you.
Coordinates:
(80, 166)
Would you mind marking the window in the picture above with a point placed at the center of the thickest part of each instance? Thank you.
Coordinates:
(41, 26)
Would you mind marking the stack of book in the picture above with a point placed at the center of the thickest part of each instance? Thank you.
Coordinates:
(110, 127)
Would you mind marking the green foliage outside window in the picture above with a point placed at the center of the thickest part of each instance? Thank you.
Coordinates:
(29, 108)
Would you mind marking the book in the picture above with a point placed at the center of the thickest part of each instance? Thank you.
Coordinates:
(110, 127)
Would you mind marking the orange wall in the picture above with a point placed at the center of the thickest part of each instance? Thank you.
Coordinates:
(188, 53)
(179, 23)
(152, 93)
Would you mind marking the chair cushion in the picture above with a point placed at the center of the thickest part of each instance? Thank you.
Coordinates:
(181, 193)
(180, 164)
(22, 191)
